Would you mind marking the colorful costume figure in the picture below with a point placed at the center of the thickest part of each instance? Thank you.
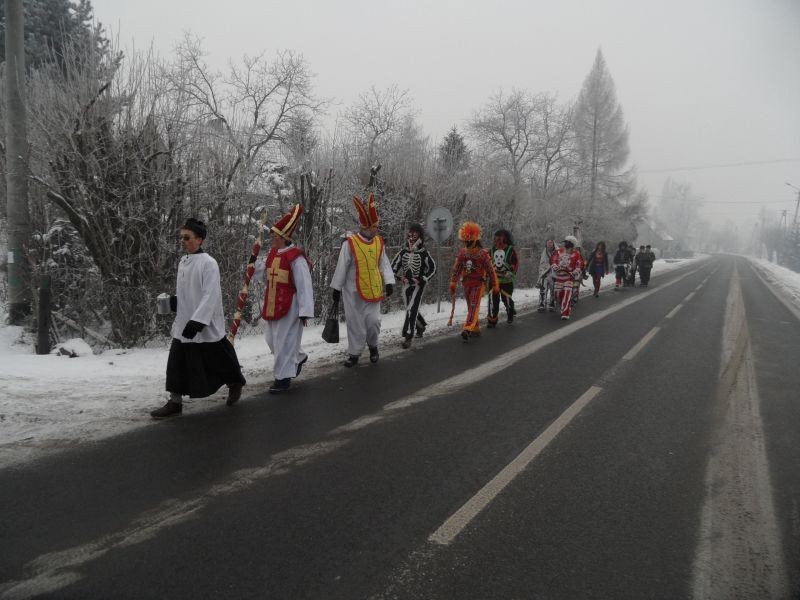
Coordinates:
(547, 277)
(473, 268)
(506, 264)
(288, 300)
(414, 266)
(597, 265)
(567, 265)
(363, 273)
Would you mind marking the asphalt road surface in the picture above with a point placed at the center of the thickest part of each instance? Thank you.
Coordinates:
(648, 448)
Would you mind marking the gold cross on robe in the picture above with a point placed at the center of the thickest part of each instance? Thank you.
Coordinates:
(275, 275)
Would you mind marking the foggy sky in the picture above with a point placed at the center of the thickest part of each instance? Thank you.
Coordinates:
(701, 82)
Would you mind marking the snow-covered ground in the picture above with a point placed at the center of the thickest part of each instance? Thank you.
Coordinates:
(52, 402)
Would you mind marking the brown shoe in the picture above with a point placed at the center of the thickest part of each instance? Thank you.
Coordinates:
(170, 409)
(234, 393)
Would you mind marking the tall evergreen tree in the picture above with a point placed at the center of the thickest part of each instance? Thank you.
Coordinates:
(49, 24)
(453, 152)
(601, 133)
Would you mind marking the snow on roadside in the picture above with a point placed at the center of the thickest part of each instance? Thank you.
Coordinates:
(52, 402)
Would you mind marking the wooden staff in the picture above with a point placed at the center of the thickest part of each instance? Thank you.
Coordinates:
(248, 275)
(452, 311)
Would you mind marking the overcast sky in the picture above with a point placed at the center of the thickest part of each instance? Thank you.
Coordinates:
(701, 82)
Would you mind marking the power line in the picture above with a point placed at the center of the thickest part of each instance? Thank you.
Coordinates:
(723, 165)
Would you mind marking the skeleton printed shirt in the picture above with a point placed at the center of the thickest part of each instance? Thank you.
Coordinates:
(413, 264)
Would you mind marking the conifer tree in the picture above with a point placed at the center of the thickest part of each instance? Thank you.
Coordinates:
(601, 133)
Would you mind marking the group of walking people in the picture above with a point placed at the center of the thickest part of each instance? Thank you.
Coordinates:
(202, 359)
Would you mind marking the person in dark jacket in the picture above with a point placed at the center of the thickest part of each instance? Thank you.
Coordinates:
(597, 265)
(506, 263)
(622, 264)
(644, 264)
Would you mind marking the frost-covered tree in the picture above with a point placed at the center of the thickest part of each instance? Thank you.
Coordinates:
(507, 129)
(377, 115)
(50, 25)
(601, 134)
(553, 170)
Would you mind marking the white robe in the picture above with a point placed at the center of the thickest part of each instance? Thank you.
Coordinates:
(199, 298)
(363, 318)
(284, 335)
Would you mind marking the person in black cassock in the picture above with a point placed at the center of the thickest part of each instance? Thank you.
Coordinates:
(201, 359)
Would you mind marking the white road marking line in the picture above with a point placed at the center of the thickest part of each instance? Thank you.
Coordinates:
(689, 297)
(674, 311)
(464, 515)
(641, 343)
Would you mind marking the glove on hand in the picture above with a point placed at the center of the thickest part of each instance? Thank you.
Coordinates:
(336, 294)
(173, 303)
(192, 329)
(389, 289)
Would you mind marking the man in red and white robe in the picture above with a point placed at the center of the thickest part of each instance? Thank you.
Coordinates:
(567, 265)
(288, 300)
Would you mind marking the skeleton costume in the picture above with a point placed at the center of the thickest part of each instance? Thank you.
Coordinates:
(474, 269)
(547, 277)
(414, 266)
(288, 301)
(506, 264)
(362, 274)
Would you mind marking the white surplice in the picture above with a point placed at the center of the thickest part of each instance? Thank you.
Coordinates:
(199, 298)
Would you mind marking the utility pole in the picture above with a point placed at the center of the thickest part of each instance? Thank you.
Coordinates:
(19, 225)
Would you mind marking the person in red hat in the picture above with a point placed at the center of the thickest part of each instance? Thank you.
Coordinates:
(474, 269)
(288, 300)
(363, 275)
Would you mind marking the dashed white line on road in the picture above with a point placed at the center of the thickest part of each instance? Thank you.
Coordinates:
(641, 343)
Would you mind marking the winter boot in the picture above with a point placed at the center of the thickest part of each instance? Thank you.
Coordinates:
(170, 409)
(373, 354)
(280, 385)
(465, 335)
(421, 327)
(234, 393)
(352, 361)
(406, 343)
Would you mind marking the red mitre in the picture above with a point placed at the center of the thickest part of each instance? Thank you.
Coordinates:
(367, 215)
(288, 223)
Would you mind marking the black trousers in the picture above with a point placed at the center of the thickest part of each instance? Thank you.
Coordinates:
(199, 370)
(508, 302)
(412, 294)
(644, 274)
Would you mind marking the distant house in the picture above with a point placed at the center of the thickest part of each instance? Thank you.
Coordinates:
(647, 232)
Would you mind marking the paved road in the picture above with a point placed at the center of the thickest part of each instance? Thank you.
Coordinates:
(646, 449)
